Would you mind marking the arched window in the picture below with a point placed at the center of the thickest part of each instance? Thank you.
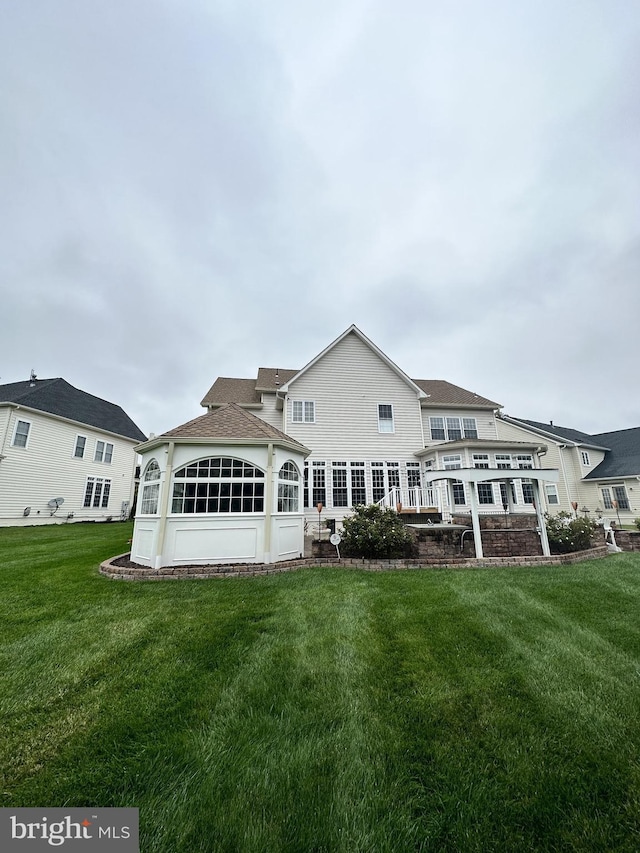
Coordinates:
(150, 489)
(288, 488)
(220, 484)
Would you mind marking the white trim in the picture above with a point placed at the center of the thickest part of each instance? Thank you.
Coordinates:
(24, 446)
(386, 420)
(74, 455)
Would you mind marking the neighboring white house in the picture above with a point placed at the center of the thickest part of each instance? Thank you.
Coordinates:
(378, 436)
(600, 473)
(58, 442)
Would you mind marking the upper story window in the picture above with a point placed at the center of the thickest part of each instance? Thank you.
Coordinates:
(524, 460)
(450, 429)
(303, 411)
(288, 488)
(385, 417)
(21, 434)
(81, 444)
(452, 463)
(480, 460)
(585, 457)
(104, 452)
(218, 485)
(503, 460)
(150, 489)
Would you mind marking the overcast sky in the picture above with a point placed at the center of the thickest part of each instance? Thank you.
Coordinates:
(197, 188)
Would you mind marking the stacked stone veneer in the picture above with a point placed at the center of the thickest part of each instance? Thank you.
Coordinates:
(129, 571)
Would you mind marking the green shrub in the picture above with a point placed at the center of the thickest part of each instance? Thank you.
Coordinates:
(372, 532)
(567, 534)
(637, 523)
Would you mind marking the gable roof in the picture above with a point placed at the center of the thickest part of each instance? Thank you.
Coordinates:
(230, 421)
(354, 330)
(58, 397)
(623, 458)
(247, 392)
(562, 434)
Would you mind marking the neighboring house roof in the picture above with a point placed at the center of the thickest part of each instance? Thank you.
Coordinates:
(441, 393)
(562, 434)
(623, 458)
(230, 421)
(58, 397)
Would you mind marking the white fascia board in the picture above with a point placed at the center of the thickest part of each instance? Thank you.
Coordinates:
(422, 395)
(231, 442)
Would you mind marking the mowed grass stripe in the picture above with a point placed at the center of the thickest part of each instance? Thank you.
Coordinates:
(324, 710)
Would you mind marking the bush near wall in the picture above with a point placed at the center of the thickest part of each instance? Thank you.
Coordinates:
(373, 533)
(567, 534)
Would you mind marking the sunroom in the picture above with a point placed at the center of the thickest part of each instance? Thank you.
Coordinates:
(223, 488)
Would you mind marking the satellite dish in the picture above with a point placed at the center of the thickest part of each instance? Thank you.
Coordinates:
(55, 502)
(26, 511)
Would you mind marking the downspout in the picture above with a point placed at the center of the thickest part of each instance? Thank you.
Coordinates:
(6, 431)
(164, 508)
(268, 505)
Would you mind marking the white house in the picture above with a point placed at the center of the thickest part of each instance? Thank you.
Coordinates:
(600, 473)
(365, 432)
(65, 455)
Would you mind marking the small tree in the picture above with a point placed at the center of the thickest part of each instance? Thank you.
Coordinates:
(373, 532)
(567, 534)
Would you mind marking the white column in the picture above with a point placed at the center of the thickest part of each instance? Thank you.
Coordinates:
(544, 539)
(164, 508)
(475, 519)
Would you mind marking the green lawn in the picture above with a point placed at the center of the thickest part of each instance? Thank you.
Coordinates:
(324, 710)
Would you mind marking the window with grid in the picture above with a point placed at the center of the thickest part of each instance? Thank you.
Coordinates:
(319, 488)
(21, 434)
(96, 494)
(437, 429)
(219, 484)
(104, 452)
(385, 417)
(150, 488)
(485, 493)
(606, 499)
(288, 488)
(393, 475)
(469, 427)
(503, 460)
(527, 491)
(413, 475)
(480, 460)
(81, 443)
(524, 460)
(358, 487)
(377, 481)
(454, 430)
(585, 458)
(305, 489)
(451, 463)
(339, 478)
(620, 495)
(303, 411)
(552, 493)
(457, 490)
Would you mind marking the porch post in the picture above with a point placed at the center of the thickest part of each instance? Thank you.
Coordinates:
(268, 506)
(475, 519)
(158, 560)
(544, 539)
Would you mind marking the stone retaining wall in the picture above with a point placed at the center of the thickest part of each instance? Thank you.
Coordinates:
(130, 571)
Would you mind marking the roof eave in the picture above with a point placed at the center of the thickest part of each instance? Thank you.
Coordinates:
(159, 441)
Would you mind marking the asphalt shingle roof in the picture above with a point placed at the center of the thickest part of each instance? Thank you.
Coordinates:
(565, 433)
(230, 421)
(58, 397)
(623, 458)
(246, 392)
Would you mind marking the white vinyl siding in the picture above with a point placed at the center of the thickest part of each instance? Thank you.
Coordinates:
(347, 384)
(446, 425)
(48, 470)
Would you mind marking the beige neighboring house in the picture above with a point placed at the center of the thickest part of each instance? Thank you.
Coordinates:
(601, 472)
(65, 455)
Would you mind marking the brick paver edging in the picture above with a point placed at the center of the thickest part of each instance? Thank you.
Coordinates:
(250, 570)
